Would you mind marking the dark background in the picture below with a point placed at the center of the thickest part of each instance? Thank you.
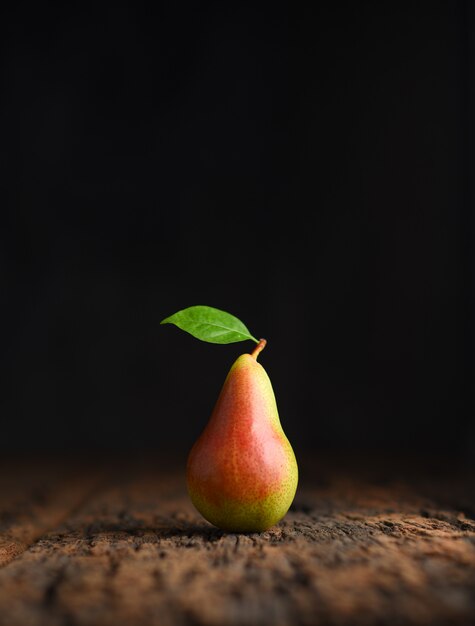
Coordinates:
(306, 170)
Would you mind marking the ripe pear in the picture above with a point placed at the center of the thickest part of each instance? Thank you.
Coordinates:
(242, 473)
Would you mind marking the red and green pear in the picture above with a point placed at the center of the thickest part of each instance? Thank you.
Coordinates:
(242, 473)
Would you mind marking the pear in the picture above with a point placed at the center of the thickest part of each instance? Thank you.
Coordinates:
(241, 472)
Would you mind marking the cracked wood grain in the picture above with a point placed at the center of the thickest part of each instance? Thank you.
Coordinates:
(354, 549)
(36, 497)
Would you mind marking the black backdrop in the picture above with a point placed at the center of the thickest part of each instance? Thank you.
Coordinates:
(307, 171)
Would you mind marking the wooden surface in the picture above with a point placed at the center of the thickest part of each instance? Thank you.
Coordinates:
(114, 543)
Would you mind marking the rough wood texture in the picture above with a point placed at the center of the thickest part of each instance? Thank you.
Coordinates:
(128, 549)
(35, 497)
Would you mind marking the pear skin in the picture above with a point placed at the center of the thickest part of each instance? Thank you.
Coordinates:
(242, 473)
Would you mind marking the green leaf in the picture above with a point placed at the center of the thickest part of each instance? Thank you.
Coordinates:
(210, 324)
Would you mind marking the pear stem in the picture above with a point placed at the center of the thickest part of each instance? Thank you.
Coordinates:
(258, 349)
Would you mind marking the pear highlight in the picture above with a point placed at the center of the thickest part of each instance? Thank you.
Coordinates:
(242, 473)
